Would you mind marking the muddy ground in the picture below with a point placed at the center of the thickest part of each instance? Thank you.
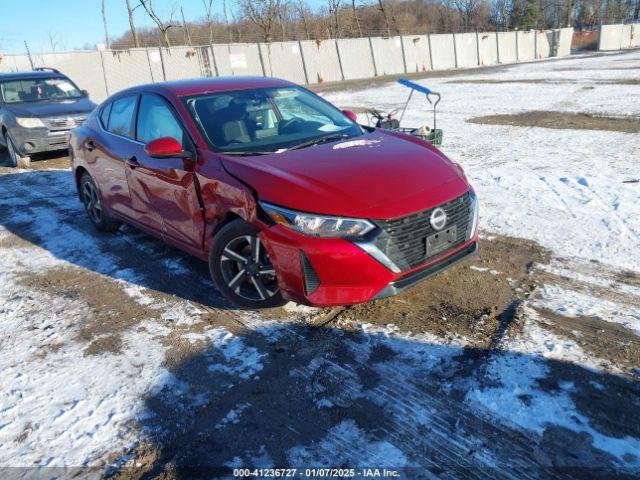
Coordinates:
(563, 120)
(327, 367)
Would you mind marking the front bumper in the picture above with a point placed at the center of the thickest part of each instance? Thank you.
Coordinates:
(342, 273)
(36, 140)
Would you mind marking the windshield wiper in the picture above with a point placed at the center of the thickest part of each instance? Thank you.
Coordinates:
(317, 141)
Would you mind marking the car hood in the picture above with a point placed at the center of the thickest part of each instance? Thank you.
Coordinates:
(48, 108)
(378, 175)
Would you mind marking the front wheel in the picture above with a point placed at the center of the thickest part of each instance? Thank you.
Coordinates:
(94, 207)
(15, 159)
(241, 268)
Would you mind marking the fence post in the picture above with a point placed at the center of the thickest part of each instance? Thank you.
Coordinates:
(264, 70)
(455, 50)
(535, 45)
(430, 51)
(104, 73)
(517, 47)
(215, 62)
(153, 80)
(304, 63)
(478, 47)
(404, 55)
(164, 72)
(498, 47)
(373, 58)
(339, 58)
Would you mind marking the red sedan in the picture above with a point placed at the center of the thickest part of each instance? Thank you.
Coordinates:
(283, 194)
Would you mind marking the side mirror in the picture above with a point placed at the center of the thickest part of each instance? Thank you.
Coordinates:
(351, 115)
(166, 147)
(85, 93)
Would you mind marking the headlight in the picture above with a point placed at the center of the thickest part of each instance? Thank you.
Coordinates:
(29, 122)
(473, 215)
(318, 225)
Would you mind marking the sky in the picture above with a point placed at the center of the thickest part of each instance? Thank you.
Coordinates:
(75, 23)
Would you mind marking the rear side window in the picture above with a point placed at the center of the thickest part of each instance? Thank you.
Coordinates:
(156, 120)
(122, 115)
(104, 116)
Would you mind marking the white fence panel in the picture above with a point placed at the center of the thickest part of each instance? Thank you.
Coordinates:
(466, 49)
(442, 51)
(507, 47)
(488, 48)
(128, 68)
(526, 45)
(564, 44)
(610, 37)
(321, 58)
(284, 60)
(388, 55)
(357, 58)
(417, 54)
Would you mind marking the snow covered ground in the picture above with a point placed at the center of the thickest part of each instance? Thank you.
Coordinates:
(112, 346)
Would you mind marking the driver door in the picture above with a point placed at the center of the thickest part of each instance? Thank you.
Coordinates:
(165, 187)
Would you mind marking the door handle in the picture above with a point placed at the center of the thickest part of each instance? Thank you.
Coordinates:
(133, 163)
(90, 145)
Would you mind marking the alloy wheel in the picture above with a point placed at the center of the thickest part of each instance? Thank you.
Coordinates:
(92, 202)
(247, 269)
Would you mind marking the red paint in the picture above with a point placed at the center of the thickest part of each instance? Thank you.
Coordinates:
(163, 147)
(379, 175)
(351, 115)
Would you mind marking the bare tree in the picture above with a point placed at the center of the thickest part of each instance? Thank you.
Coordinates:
(132, 25)
(302, 8)
(226, 20)
(55, 40)
(468, 10)
(163, 27)
(107, 42)
(208, 14)
(263, 14)
(383, 10)
(283, 10)
(357, 19)
(185, 29)
(334, 18)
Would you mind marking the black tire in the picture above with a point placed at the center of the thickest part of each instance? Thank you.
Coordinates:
(247, 280)
(15, 159)
(94, 206)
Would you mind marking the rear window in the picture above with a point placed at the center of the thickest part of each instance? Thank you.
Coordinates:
(121, 117)
(37, 89)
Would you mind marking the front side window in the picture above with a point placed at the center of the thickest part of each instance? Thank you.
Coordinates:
(266, 119)
(122, 114)
(156, 120)
(38, 89)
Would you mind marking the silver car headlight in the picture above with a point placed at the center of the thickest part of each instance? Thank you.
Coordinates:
(318, 225)
(29, 122)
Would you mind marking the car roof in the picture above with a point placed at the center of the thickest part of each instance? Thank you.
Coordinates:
(27, 75)
(198, 86)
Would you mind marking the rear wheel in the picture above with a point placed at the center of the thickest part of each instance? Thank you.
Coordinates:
(241, 268)
(15, 159)
(94, 207)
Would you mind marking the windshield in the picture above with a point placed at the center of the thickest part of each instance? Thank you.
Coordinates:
(266, 120)
(36, 89)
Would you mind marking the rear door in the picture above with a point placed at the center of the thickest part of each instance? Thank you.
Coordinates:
(106, 149)
(165, 187)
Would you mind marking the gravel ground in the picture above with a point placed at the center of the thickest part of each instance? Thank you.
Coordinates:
(118, 353)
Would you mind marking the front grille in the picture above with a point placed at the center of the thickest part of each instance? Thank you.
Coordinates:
(64, 123)
(403, 239)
